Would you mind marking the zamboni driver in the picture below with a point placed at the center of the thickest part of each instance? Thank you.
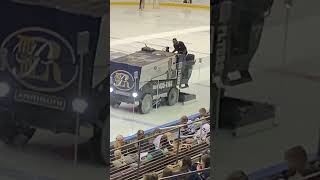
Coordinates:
(182, 50)
(179, 47)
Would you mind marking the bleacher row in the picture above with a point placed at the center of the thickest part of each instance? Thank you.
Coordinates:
(164, 147)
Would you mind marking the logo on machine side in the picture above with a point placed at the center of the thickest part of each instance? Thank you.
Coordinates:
(40, 59)
(122, 80)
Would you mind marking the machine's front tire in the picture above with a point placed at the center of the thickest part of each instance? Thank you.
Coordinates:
(173, 96)
(145, 105)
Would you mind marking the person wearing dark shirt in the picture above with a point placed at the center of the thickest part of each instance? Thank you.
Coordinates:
(182, 56)
(179, 47)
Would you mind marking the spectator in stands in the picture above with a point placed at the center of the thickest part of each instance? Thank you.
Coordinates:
(189, 128)
(119, 160)
(160, 148)
(163, 142)
(156, 131)
(297, 160)
(151, 176)
(202, 134)
(140, 134)
(167, 172)
(203, 112)
(119, 142)
(185, 168)
(117, 154)
(238, 175)
(204, 164)
(144, 143)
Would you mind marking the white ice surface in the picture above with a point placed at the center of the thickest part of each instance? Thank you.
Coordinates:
(132, 29)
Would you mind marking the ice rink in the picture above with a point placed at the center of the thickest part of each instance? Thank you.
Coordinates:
(131, 29)
(291, 85)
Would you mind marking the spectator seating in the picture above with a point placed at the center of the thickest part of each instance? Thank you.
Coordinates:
(166, 145)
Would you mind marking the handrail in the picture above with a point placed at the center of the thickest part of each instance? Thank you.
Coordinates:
(155, 135)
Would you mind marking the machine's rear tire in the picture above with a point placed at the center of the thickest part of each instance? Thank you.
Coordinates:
(173, 96)
(145, 105)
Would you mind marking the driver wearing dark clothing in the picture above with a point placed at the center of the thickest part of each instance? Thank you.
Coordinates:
(179, 47)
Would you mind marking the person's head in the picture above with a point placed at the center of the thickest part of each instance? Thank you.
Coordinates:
(238, 175)
(205, 161)
(119, 138)
(184, 120)
(140, 134)
(117, 154)
(119, 141)
(167, 172)
(156, 131)
(151, 176)
(186, 163)
(202, 112)
(296, 158)
(175, 41)
(175, 145)
(164, 141)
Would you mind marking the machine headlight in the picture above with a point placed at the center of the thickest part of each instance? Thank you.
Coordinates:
(111, 89)
(79, 105)
(134, 94)
(4, 89)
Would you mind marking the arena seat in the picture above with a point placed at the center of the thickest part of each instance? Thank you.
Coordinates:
(162, 158)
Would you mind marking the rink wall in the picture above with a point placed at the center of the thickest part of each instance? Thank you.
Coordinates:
(196, 4)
